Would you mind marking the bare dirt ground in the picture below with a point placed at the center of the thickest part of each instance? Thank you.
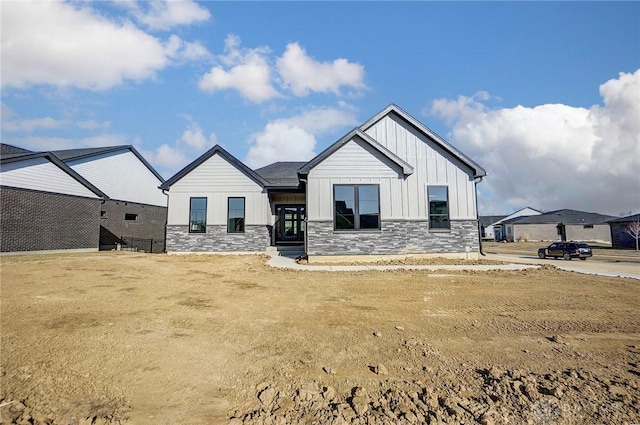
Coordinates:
(121, 338)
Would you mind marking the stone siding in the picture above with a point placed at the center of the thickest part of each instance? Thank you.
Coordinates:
(395, 237)
(216, 239)
(43, 221)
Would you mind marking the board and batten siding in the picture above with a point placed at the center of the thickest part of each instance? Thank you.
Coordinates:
(432, 166)
(122, 176)
(217, 180)
(42, 175)
(355, 163)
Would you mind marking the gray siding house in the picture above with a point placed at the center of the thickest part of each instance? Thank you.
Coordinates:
(45, 205)
(390, 186)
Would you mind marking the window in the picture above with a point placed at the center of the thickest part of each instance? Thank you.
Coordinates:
(198, 215)
(235, 214)
(130, 217)
(588, 226)
(356, 207)
(438, 207)
(103, 214)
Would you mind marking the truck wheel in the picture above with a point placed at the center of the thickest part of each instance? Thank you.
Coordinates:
(541, 255)
(566, 256)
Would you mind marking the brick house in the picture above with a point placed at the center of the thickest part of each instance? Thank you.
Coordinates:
(135, 213)
(390, 186)
(131, 208)
(45, 205)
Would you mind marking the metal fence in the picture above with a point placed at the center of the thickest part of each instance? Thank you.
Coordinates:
(145, 245)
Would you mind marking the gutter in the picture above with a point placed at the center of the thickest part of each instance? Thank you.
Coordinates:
(476, 181)
(166, 220)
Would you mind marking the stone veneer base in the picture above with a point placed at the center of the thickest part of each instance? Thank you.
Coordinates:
(398, 237)
(216, 239)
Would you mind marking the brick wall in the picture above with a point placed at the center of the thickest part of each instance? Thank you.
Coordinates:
(216, 239)
(36, 221)
(149, 223)
(394, 237)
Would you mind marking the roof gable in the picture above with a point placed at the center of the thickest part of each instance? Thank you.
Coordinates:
(407, 169)
(48, 156)
(281, 174)
(216, 150)
(395, 110)
(72, 155)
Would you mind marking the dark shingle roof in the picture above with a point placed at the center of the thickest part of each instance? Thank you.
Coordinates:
(281, 174)
(486, 220)
(627, 219)
(9, 151)
(565, 216)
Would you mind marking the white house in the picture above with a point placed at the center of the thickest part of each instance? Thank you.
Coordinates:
(390, 186)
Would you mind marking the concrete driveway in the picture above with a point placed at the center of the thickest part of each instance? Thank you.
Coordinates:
(589, 266)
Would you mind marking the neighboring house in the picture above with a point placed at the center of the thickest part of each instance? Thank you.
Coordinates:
(560, 225)
(45, 205)
(501, 231)
(620, 237)
(391, 186)
(135, 214)
(486, 225)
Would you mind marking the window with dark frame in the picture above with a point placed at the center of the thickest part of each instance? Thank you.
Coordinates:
(130, 217)
(356, 207)
(198, 215)
(235, 215)
(588, 226)
(438, 207)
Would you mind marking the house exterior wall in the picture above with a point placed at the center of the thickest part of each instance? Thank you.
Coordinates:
(217, 180)
(255, 239)
(599, 233)
(432, 166)
(41, 221)
(121, 175)
(42, 175)
(395, 237)
(620, 239)
(549, 232)
(149, 224)
(355, 163)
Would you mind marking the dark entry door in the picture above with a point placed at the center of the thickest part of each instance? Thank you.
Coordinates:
(290, 226)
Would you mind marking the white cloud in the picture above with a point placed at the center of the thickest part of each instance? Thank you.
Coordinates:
(245, 70)
(294, 139)
(13, 123)
(554, 156)
(192, 143)
(251, 72)
(302, 74)
(163, 15)
(72, 45)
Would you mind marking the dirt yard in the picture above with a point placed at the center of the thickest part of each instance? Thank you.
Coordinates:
(122, 338)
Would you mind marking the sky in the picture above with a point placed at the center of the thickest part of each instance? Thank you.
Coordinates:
(544, 95)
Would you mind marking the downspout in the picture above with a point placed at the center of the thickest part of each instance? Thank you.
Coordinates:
(476, 181)
(166, 219)
(306, 214)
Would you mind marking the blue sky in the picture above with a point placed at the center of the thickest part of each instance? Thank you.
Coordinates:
(544, 95)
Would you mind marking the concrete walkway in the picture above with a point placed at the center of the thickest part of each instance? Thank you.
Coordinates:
(284, 262)
(515, 262)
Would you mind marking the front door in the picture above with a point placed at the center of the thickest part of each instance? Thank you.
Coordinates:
(290, 226)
